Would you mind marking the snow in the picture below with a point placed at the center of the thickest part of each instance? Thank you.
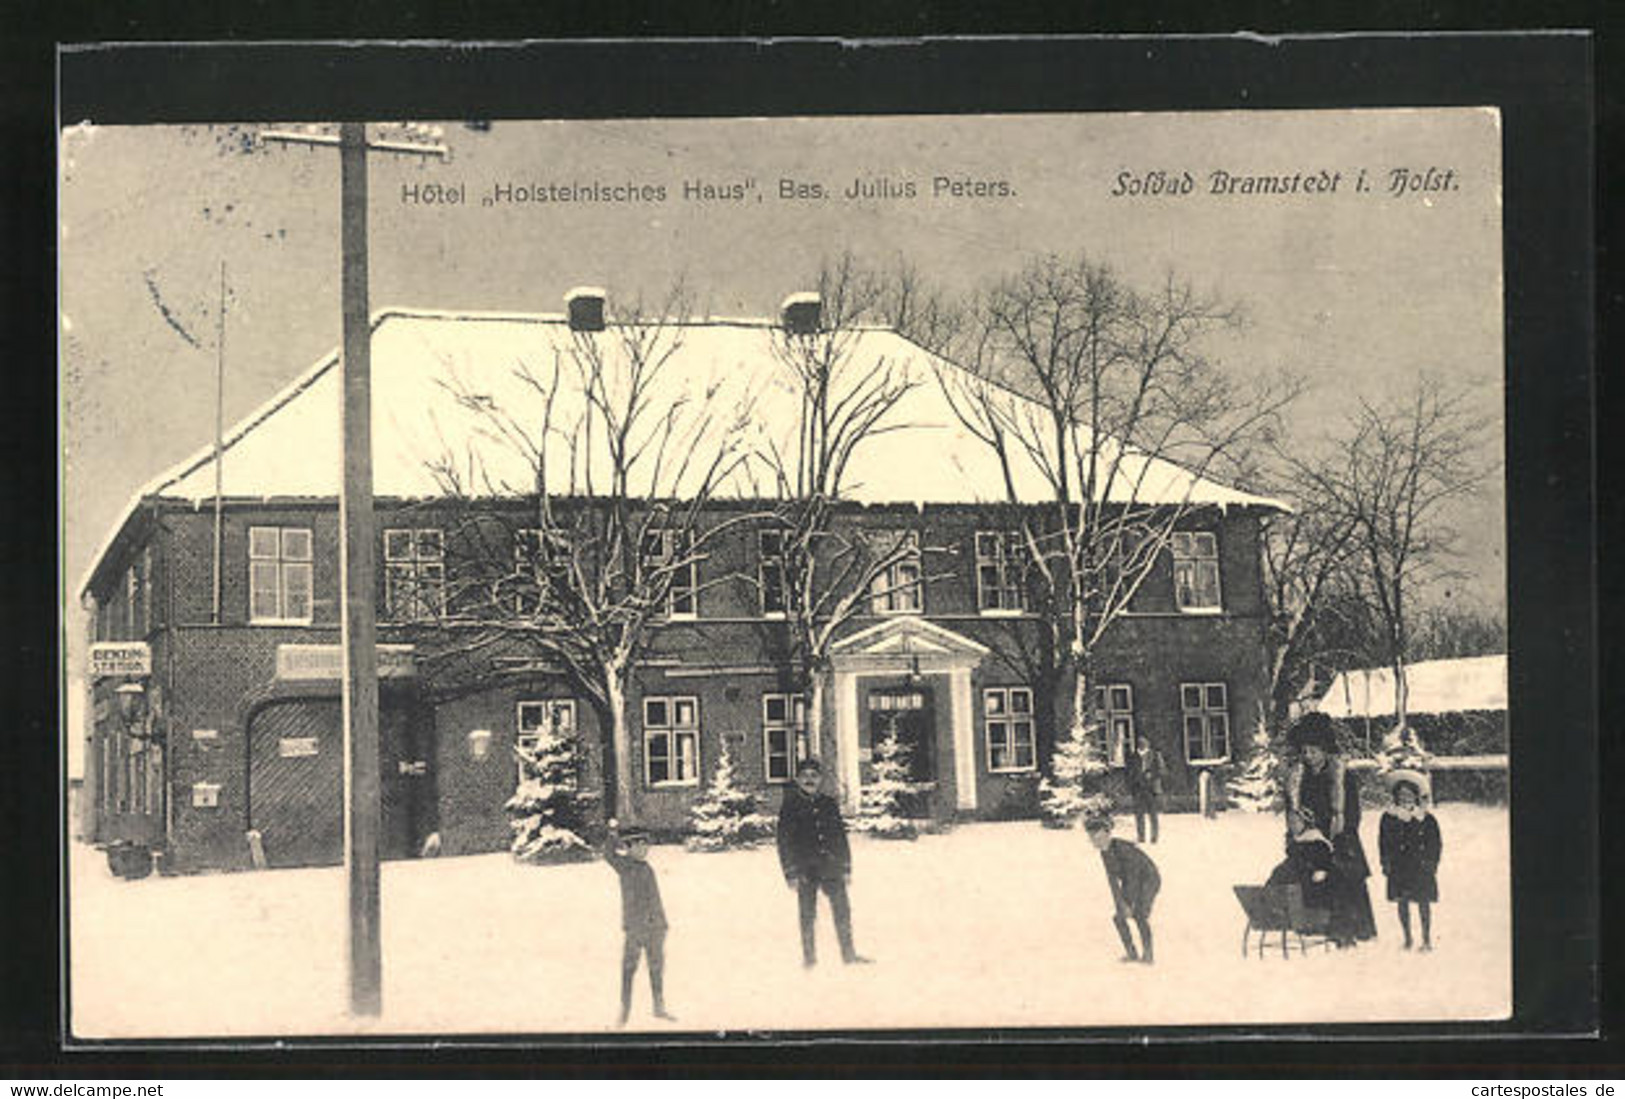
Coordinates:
(1433, 687)
(990, 925)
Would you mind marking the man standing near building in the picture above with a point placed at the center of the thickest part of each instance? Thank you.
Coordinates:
(814, 854)
(1145, 769)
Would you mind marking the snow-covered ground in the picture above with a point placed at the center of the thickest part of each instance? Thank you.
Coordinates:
(988, 926)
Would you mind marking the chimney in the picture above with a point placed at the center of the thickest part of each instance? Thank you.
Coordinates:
(802, 314)
(585, 305)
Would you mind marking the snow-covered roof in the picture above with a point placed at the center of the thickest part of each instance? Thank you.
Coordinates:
(724, 385)
(1433, 687)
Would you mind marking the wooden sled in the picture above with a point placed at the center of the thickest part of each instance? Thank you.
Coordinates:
(1279, 910)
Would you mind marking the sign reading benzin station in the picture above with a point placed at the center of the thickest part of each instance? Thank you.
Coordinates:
(327, 661)
(120, 658)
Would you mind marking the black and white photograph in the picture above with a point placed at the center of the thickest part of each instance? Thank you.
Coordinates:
(663, 576)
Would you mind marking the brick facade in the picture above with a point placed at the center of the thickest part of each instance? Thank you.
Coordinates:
(216, 680)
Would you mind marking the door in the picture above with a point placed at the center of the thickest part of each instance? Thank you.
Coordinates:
(296, 782)
(906, 713)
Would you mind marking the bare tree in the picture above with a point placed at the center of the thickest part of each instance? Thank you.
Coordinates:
(1307, 556)
(622, 464)
(848, 389)
(1104, 416)
(1394, 478)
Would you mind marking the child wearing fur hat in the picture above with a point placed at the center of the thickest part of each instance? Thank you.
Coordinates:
(1409, 844)
(1134, 882)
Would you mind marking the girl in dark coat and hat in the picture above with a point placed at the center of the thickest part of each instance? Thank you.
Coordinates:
(1409, 844)
(1323, 797)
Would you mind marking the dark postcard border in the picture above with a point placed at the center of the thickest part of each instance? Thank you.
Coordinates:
(1541, 83)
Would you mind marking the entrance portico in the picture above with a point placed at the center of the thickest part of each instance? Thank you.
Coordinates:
(911, 648)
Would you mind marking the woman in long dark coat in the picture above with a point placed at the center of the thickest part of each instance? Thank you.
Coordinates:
(1324, 795)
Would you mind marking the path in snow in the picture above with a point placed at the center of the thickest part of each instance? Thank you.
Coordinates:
(990, 925)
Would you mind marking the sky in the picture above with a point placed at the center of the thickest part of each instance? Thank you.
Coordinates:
(1359, 291)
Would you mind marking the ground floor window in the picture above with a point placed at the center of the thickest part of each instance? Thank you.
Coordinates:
(1207, 722)
(556, 716)
(1008, 716)
(784, 735)
(671, 741)
(1115, 704)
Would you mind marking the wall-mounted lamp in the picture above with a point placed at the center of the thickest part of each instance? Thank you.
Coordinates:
(132, 708)
(479, 743)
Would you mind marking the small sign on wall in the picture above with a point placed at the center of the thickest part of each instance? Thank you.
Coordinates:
(120, 658)
(205, 795)
(294, 747)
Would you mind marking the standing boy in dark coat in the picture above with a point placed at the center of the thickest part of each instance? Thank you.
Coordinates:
(814, 855)
(643, 917)
(1134, 881)
(1145, 769)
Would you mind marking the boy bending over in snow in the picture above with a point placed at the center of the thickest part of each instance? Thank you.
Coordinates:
(1134, 880)
(643, 918)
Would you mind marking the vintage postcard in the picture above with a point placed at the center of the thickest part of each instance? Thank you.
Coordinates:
(799, 574)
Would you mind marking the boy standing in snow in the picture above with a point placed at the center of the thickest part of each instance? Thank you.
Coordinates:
(643, 917)
(814, 854)
(1134, 882)
(1409, 843)
(1145, 767)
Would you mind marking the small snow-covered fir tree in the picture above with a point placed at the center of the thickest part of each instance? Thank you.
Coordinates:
(880, 804)
(726, 816)
(1075, 785)
(1256, 784)
(549, 812)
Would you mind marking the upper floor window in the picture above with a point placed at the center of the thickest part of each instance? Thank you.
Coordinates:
(1008, 713)
(146, 591)
(554, 716)
(771, 572)
(998, 572)
(1206, 712)
(671, 741)
(414, 574)
(1196, 570)
(541, 561)
(671, 549)
(784, 735)
(1115, 704)
(279, 574)
(133, 627)
(897, 588)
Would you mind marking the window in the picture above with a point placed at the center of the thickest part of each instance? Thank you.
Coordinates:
(784, 735)
(1008, 713)
(552, 715)
(1115, 704)
(672, 549)
(772, 574)
(541, 561)
(146, 591)
(1207, 722)
(132, 602)
(998, 572)
(897, 588)
(671, 741)
(279, 574)
(1196, 570)
(414, 575)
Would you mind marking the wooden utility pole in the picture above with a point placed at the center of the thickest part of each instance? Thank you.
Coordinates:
(362, 782)
(361, 778)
